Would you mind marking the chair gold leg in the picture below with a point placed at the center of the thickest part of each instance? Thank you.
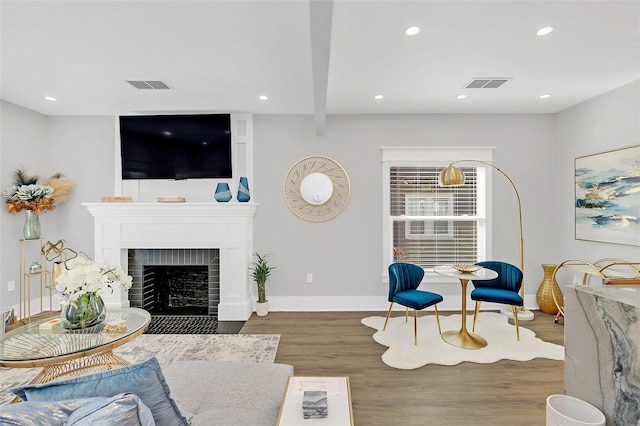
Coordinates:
(515, 310)
(387, 320)
(438, 319)
(415, 327)
(406, 315)
(475, 315)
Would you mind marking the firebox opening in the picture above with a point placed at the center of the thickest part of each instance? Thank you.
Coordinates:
(178, 290)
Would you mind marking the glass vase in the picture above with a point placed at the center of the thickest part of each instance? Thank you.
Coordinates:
(31, 229)
(243, 190)
(87, 311)
(223, 193)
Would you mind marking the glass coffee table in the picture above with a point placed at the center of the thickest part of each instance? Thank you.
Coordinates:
(63, 352)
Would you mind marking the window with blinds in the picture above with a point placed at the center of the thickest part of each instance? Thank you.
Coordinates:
(435, 225)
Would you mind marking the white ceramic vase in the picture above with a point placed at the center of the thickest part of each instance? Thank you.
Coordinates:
(262, 309)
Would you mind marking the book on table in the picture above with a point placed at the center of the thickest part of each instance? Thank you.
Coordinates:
(315, 405)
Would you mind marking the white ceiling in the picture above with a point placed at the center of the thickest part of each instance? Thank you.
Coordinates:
(220, 55)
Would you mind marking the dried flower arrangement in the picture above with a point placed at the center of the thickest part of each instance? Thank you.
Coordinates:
(398, 254)
(27, 194)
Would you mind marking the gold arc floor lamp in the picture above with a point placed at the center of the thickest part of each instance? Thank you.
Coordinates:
(453, 176)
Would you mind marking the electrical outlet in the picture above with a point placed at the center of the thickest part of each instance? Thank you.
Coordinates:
(309, 277)
(12, 285)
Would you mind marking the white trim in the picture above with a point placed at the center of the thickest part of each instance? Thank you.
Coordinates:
(227, 227)
(436, 154)
(431, 156)
(371, 303)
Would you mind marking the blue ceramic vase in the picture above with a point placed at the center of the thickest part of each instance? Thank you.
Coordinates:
(243, 190)
(223, 193)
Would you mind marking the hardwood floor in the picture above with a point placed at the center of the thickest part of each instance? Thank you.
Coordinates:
(337, 344)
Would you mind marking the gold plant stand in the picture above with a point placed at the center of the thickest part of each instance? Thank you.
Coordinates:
(26, 275)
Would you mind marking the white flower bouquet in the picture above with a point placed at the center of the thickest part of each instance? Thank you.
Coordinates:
(83, 276)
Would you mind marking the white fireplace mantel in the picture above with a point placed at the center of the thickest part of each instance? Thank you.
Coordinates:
(227, 227)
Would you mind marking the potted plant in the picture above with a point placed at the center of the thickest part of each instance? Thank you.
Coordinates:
(260, 271)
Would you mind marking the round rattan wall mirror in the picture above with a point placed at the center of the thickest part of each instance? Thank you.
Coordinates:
(316, 188)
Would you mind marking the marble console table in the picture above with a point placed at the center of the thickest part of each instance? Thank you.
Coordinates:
(602, 349)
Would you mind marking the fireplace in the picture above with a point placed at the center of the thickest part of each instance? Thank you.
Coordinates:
(175, 281)
(175, 290)
(224, 227)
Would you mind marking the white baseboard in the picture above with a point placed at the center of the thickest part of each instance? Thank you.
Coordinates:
(234, 311)
(365, 303)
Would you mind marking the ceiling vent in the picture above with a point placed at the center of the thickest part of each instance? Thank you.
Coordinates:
(149, 84)
(487, 82)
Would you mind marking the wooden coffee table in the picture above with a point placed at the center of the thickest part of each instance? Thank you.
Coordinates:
(63, 352)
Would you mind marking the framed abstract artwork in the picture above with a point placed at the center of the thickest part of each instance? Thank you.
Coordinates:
(607, 197)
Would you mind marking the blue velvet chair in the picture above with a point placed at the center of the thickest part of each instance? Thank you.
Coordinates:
(503, 289)
(404, 279)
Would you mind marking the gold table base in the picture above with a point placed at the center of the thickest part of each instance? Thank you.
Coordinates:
(464, 339)
(89, 364)
(95, 363)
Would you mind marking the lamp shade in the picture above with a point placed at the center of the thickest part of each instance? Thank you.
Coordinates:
(451, 176)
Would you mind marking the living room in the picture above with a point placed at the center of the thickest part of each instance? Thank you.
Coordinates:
(536, 146)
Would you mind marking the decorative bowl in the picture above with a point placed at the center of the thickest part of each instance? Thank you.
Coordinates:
(466, 267)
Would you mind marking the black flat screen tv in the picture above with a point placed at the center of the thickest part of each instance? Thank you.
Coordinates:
(196, 146)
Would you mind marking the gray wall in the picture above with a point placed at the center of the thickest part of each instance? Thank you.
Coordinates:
(84, 151)
(610, 121)
(345, 254)
(79, 147)
(23, 145)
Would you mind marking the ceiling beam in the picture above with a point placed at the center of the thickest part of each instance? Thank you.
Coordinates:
(320, 14)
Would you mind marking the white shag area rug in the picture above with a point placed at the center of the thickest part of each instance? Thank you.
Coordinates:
(169, 348)
(431, 349)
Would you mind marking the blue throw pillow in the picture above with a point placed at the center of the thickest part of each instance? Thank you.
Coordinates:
(50, 413)
(124, 409)
(144, 379)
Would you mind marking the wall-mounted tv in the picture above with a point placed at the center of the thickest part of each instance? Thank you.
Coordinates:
(189, 146)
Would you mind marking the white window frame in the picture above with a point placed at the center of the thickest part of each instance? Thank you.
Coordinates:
(407, 156)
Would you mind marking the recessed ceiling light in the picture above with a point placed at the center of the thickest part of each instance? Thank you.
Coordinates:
(411, 31)
(263, 97)
(545, 96)
(545, 30)
(378, 97)
(461, 96)
(50, 98)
